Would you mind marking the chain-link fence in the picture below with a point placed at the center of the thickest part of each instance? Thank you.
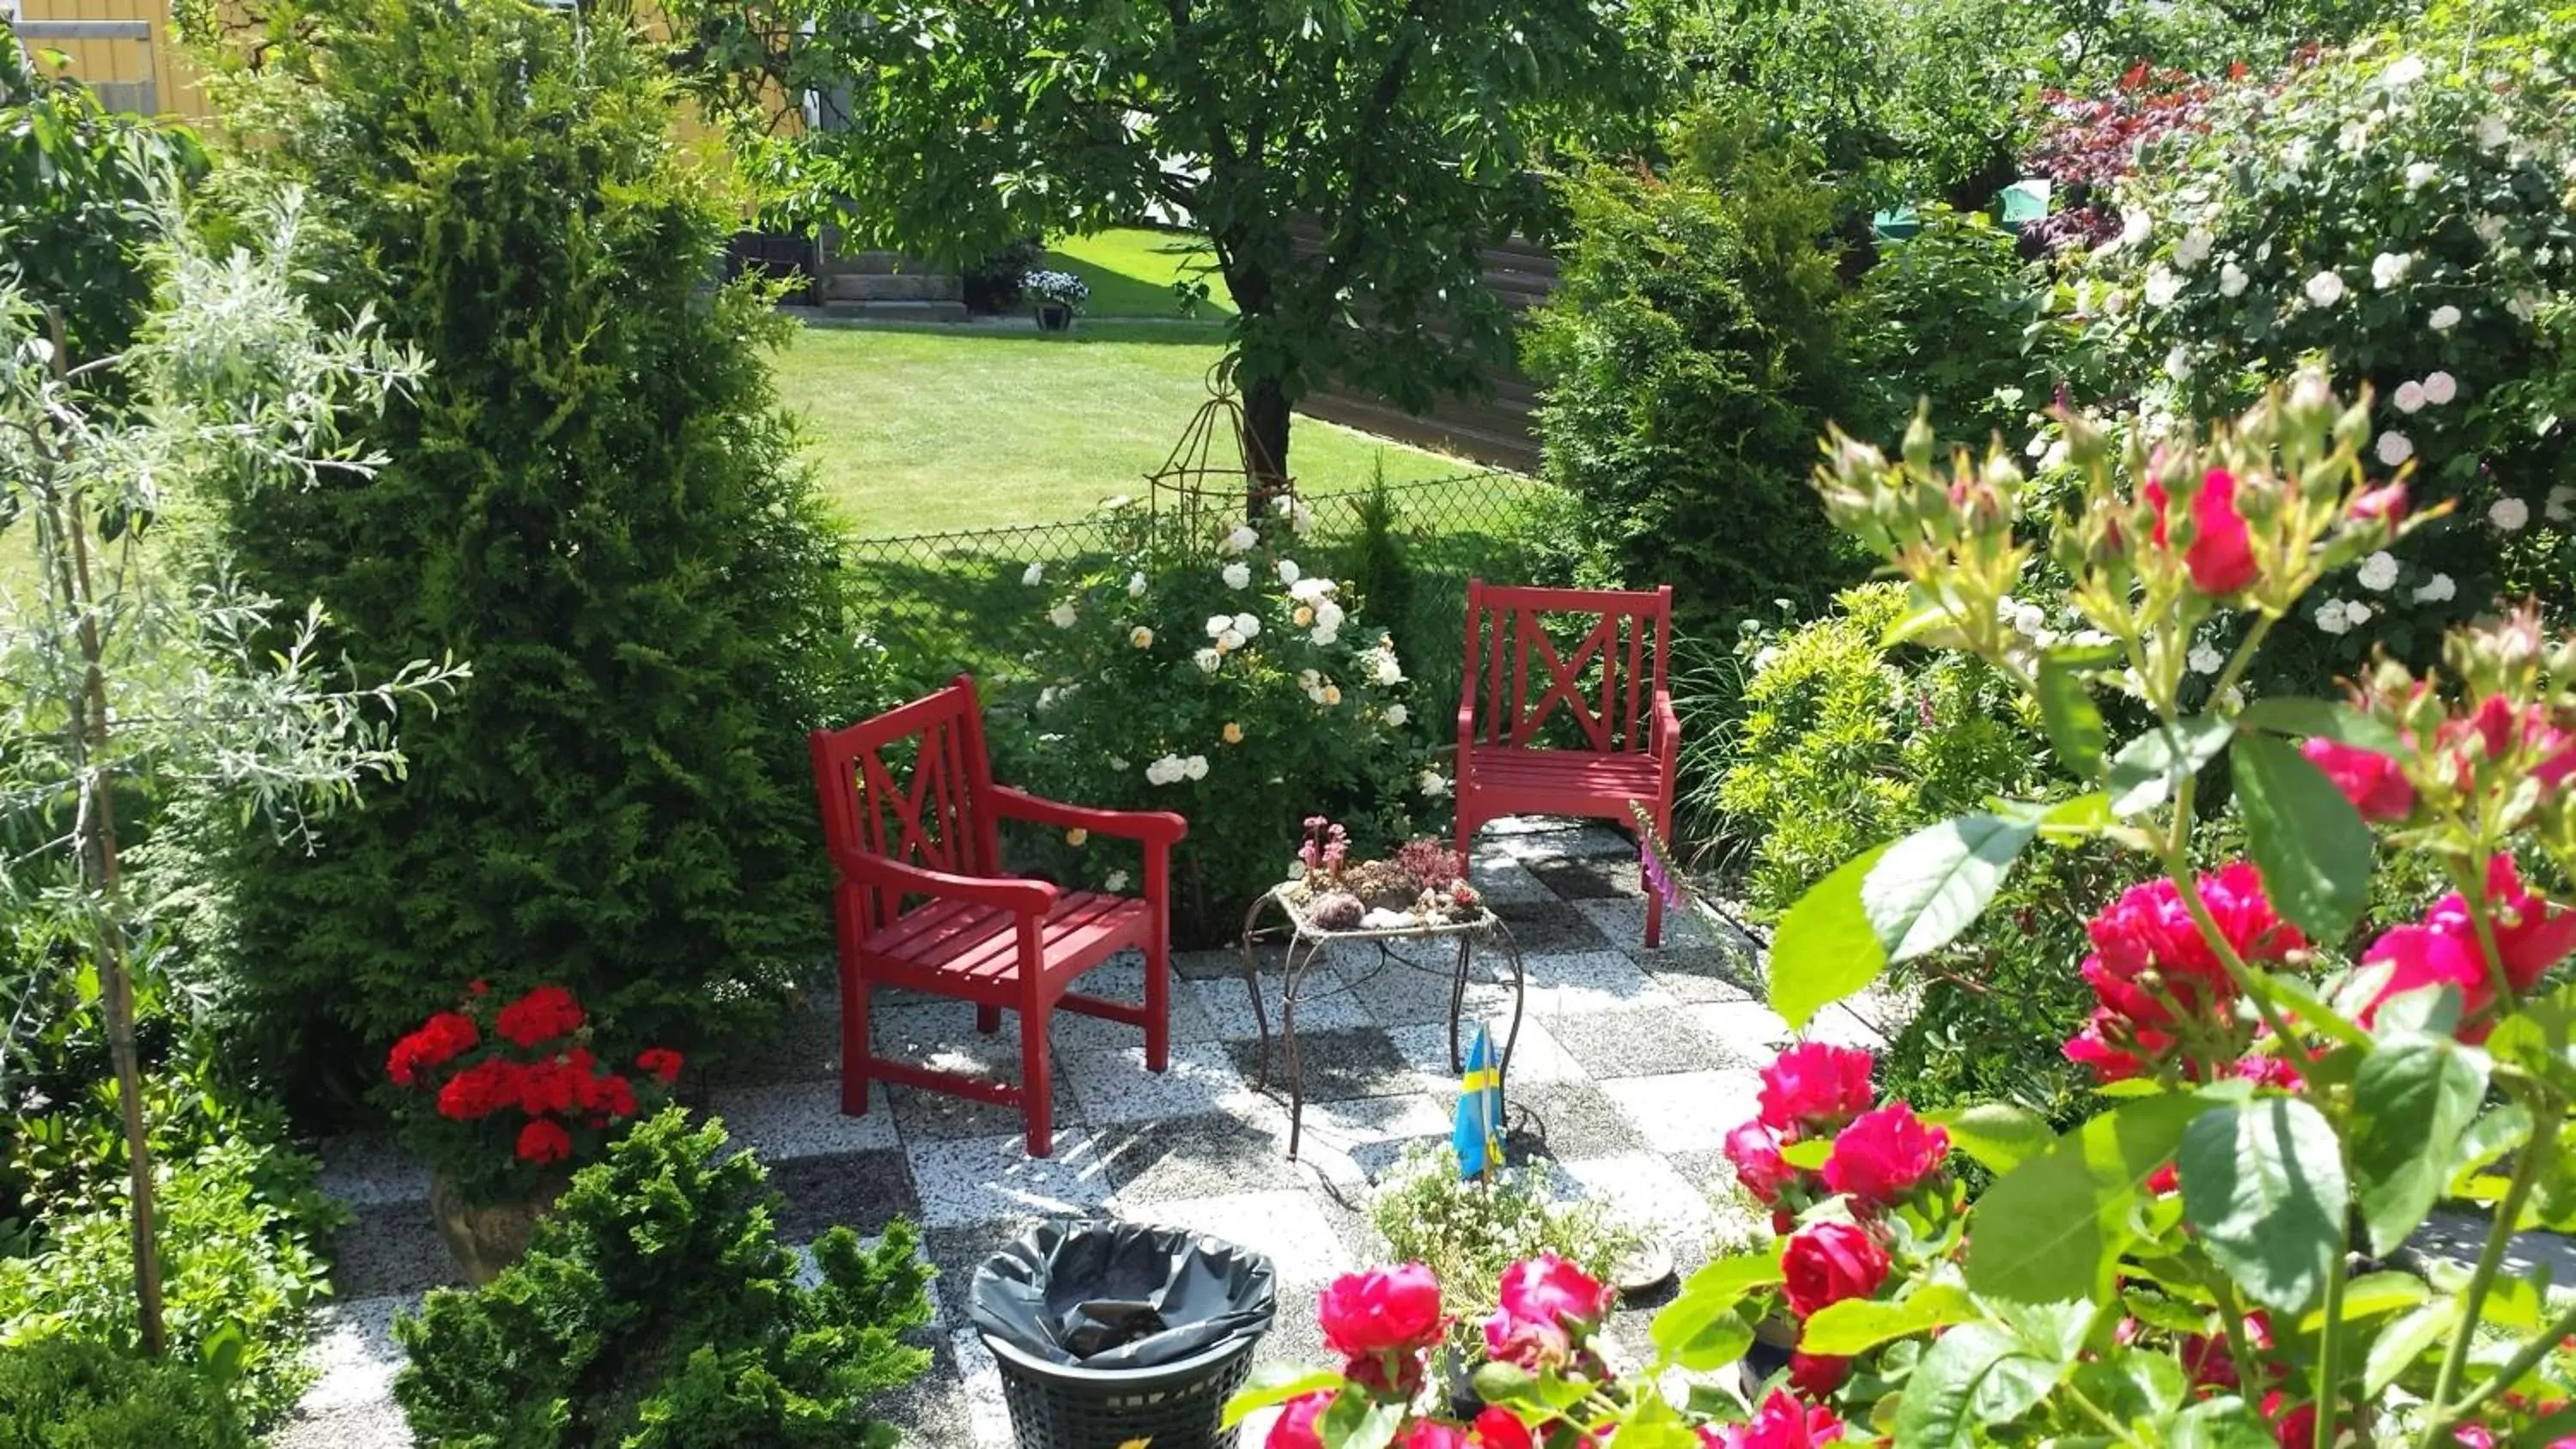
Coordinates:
(946, 602)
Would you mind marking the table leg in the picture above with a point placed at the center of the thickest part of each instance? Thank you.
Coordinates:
(1458, 1002)
(1291, 971)
(1252, 984)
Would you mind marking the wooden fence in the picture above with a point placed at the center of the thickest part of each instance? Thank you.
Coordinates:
(1498, 431)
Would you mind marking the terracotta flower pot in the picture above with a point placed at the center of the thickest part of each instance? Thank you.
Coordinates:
(485, 1238)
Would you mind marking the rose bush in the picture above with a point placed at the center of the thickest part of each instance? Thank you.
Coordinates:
(1225, 679)
(2403, 206)
(2291, 1078)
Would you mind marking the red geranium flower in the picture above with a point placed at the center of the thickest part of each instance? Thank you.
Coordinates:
(544, 1141)
(440, 1039)
(541, 1016)
(480, 1090)
(661, 1062)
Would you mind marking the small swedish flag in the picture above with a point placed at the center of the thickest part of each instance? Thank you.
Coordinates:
(1478, 1137)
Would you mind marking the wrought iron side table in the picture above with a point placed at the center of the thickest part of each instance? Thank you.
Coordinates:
(1308, 943)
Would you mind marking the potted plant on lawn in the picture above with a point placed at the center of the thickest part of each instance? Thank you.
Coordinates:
(1055, 296)
(504, 1104)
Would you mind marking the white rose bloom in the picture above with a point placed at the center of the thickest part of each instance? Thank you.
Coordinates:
(2378, 572)
(2421, 174)
(1114, 882)
(2560, 506)
(1247, 625)
(1207, 660)
(2523, 305)
(1135, 586)
(1432, 783)
(1115, 502)
(1141, 637)
(1218, 624)
(2406, 70)
(1388, 671)
(2178, 363)
(1328, 615)
(2330, 617)
(2231, 280)
(2055, 455)
(2352, 137)
(2445, 317)
(2509, 514)
(1236, 575)
(1229, 641)
(2489, 227)
(1033, 575)
(2440, 388)
(2437, 589)
(2324, 289)
(2135, 225)
(1163, 771)
(1242, 539)
(2037, 445)
(2410, 397)
(1301, 520)
(1325, 635)
(2205, 658)
(1281, 504)
(2114, 303)
(1309, 679)
(1061, 616)
(2029, 619)
(1194, 768)
(2395, 447)
(2294, 157)
(2162, 288)
(2356, 613)
(2194, 247)
(2492, 132)
(1288, 571)
(1397, 714)
(1310, 591)
(2389, 268)
(1047, 697)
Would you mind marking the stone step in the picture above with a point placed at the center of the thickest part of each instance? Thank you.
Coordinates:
(882, 311)
(879, 287)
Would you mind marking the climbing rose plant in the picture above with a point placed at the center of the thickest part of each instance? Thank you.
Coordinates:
(2289, 1085)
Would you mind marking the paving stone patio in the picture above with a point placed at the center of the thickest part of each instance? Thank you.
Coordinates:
(1630, 1065)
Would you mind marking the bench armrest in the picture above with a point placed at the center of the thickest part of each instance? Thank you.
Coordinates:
(1668, 728)
(1154, 827)
(1022, 897)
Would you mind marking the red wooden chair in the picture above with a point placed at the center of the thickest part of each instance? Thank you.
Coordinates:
(1613, 735)
(910, 813)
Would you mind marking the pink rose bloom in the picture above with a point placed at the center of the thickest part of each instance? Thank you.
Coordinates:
(1380, 1311)
(2296, 1429)
(1754, 1150)
(1432, 1434)
(1548, 1289)
(1295, 1426)
(1816, 1085)
(2384, 504)
(2530, 936)
(1500, 1428)
(1780, 1423)
(1826, 1263)
(2220, 558)
(1883, 1154)
(2421, 956)
(1814, 1375)
(2370, 780)
(2094, 1047)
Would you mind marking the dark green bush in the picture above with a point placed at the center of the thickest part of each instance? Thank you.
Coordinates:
(657, 1310)
(593, 499)
(1692, 355)
(59, 1394)
(1945, 319)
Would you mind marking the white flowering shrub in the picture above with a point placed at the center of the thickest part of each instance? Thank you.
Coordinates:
(1229, 682)
(2408, 211)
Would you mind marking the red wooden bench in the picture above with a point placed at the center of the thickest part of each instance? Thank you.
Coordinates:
(1598, 735)
(911, 815)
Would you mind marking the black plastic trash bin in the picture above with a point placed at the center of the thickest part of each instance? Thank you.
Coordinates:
(1108, 1332)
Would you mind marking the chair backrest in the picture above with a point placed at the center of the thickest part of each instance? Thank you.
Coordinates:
(1602, 684)
(908, 786)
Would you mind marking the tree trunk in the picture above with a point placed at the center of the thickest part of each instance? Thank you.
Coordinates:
(1265, 442)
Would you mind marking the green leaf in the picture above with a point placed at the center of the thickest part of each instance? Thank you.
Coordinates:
(1857, 1325)
(2292, 995)
(2323, 719)
(1277, 1384)
(2371, 1295)
(2404, 1342)
(2500, 1131)
(1826, 948)
(2310, 843)
(1998, 1135)
(2147, 769)
(2263, 1184)
(1933, 884)
(2412, 1096)
(1700, 1329)
(1356, 1421)
(2051, 1226)
(2073, 721)
(1974, 1375)
(1808, 1155)
(2218, 1424)
(1506, 1383)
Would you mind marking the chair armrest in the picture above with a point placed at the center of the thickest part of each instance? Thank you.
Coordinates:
(1155, 827)
(1668, 727)
(1023, 897)
(1466, 733)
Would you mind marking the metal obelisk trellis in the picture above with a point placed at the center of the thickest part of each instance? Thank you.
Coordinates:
(1201, 493)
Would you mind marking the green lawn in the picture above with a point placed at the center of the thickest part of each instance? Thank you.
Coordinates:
(921, 430)
(1131, 271)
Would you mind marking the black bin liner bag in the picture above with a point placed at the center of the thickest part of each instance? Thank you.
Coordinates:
(1112, 1295)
